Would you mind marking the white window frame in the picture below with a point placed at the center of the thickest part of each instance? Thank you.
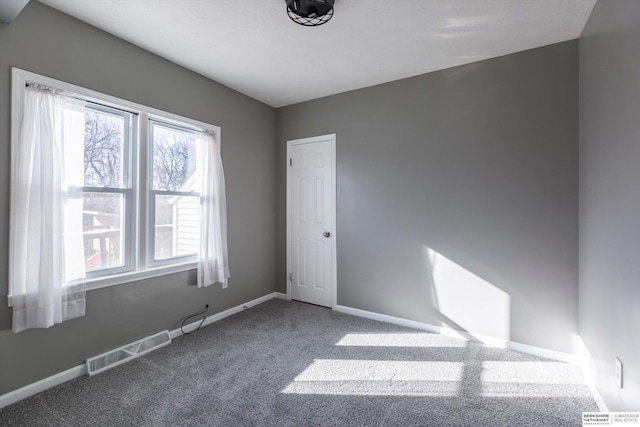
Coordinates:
(151, 203)
(128, 190)
(143, 268)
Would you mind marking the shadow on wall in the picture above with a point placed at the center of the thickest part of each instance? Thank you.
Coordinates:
(465, 301)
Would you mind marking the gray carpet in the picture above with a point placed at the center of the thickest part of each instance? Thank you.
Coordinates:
(291, 364)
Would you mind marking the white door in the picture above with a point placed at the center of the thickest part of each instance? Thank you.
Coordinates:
(311, 220)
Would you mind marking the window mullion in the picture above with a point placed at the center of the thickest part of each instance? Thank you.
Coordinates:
(142, 199)
(132, 182)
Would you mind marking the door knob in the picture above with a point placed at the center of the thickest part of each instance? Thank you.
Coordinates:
(326, 234)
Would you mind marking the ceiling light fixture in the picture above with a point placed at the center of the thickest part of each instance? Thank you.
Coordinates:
(310, 13)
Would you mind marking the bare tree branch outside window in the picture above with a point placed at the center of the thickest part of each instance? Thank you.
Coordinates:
(102, 212)
(176, 216)
(102, 149)
(173, 164)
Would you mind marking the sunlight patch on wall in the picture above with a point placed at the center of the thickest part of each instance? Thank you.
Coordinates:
(378, 378)
(400, 340)
(467, 300)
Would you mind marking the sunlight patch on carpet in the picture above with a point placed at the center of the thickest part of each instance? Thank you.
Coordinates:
(400, 340)
(529, 373)
(378, 377)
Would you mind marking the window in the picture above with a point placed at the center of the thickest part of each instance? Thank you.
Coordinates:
(174, 197)
(107, 191)
(171, 232)
(130, 182)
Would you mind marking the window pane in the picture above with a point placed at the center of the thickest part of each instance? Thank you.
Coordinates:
(177, 226)
(174, 159)
(103, 225)
(104, 136)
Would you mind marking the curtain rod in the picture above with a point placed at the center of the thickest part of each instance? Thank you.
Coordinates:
(73, 95)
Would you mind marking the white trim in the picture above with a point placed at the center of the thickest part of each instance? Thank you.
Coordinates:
(585, 366)
(132, 276)
(17, 107)
(219, 316)
(42, 385)
(80, 370)
(478, 338)
(280, 295)
(334, 273)
(288, 241)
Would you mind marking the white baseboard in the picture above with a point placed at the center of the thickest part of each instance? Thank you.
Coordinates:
(80, 370)
(583, 359)
(280, 295)
(443, 330)
(585, 366)
(219, 316)
(42, 385)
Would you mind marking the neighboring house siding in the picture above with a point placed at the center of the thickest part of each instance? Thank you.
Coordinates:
(186, 225)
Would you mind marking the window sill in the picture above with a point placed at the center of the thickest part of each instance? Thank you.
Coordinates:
(132, 276)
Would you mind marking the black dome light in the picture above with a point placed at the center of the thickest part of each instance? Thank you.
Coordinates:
(310, 13)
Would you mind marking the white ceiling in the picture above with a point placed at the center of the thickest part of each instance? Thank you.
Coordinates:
(9, 9)
(254, 48)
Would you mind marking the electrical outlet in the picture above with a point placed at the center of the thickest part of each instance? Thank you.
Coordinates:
(619, 372)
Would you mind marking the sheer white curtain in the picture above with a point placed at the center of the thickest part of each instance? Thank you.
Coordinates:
(46, 247)
(213, 261)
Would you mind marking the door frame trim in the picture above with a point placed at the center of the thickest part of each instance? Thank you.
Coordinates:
(334, 269)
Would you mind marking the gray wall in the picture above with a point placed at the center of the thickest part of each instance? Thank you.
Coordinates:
(47, 42)
(478, 163)
(610, 197)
